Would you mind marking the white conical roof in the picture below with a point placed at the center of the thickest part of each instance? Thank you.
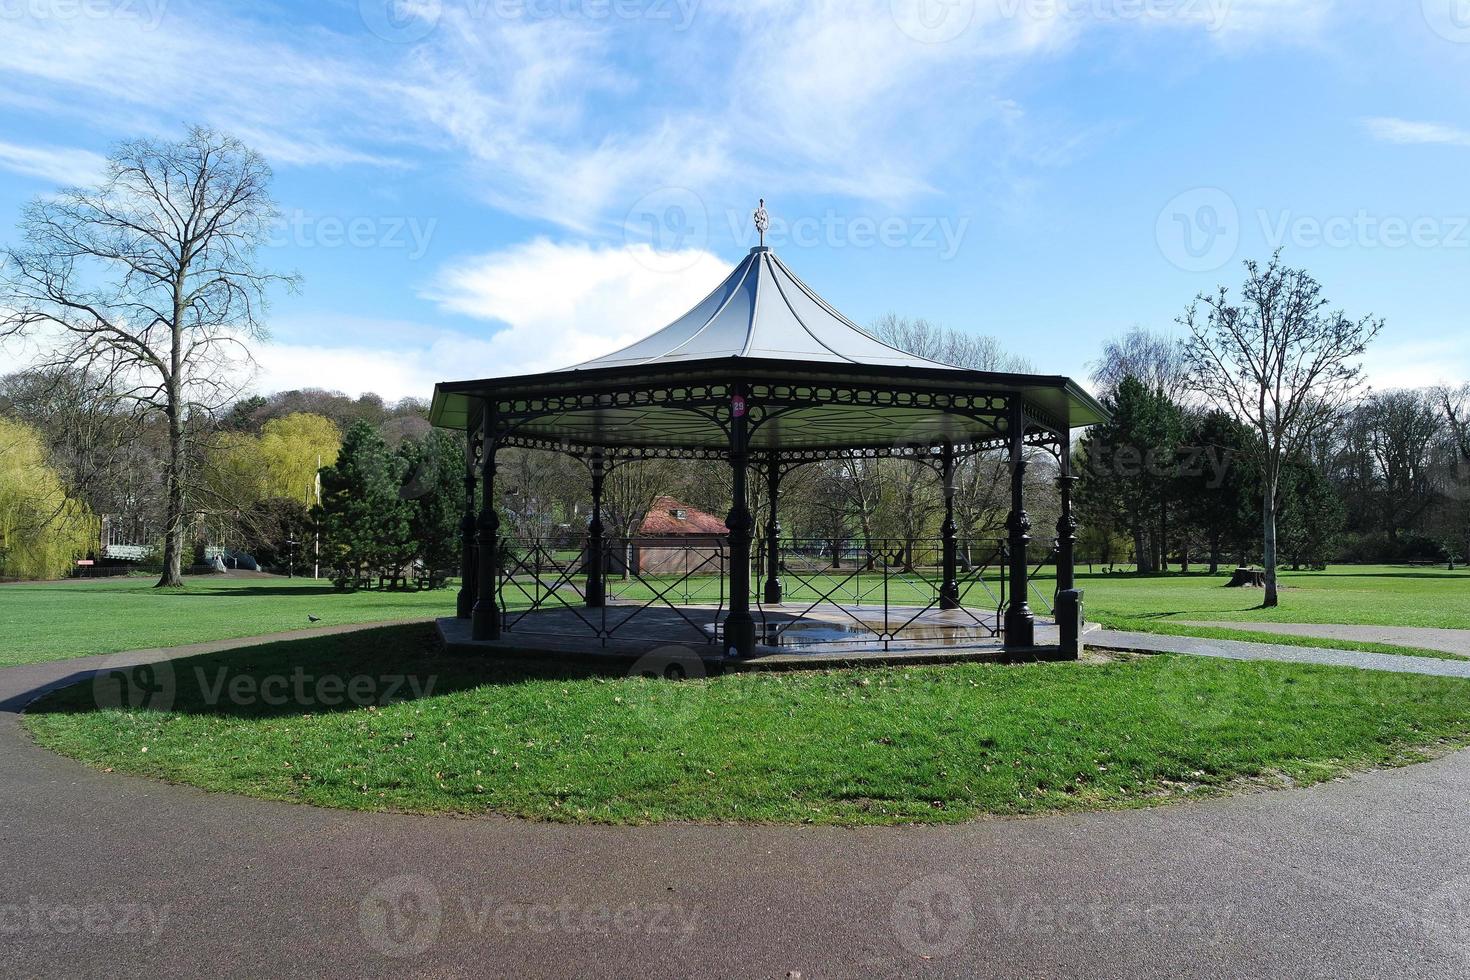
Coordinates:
(762, 310)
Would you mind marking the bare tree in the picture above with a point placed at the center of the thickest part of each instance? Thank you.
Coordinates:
(1159, 361)
(914, 503)
(811, 507)
(982, 483)
(1401, 427)
(102, 446)
(629, 492)
(982, 495)
(1280, 362)
(1456, 405)
(540, 491)
(856, 484)
(152, 277)
(978, 352)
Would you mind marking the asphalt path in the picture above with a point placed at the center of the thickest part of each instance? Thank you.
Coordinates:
(1430, 638)
(103, 874)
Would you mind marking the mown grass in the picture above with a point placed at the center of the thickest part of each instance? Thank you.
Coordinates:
(922, 744)
(1376, 595)
(1370, 595)
(1163, 603)
(55, 620)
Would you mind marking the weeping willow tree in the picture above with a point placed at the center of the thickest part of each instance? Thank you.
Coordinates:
(42, 530)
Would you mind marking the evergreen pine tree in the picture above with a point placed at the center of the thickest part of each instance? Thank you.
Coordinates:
(1218, 485)
(434, 493)
(1311, 515)
(1131, 464)
(363, 518)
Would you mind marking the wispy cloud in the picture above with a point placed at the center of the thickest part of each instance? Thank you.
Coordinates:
(570, 118)
(357, 370)
(1391, 130)
(554, 304)
(1416, 363)
(543, 304)
(308, 103)
(1290, 21)
(61, 165)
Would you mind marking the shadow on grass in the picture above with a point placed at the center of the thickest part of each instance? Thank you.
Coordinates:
(1461, 574)
(188, 589)
(311, 590)
(291, 590)
(318, 675)
(1167, 615)
(1331, 572)
(1126, 576)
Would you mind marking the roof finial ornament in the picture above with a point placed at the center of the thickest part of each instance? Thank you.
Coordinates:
(762, 221)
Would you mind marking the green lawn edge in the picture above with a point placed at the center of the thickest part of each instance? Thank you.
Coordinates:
(1165, 628)
(880, 746)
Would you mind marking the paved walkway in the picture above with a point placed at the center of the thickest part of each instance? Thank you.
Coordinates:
(103, 874)
(1445, 640)
(1123, 640)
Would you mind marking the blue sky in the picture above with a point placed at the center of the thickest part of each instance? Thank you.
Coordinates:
(476, 187)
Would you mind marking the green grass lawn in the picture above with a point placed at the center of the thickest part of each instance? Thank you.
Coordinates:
(922, 744)
(1380, 595)
(55, 620)
(1376, 595)
(1367, 595)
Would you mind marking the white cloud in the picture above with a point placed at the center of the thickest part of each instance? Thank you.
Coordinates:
(407, 372)
(1417, 363)
(1292, 21)
(133, 75)
(546, 305)
(561, 304)
(1390, 130)
(571, 118)
(58, 164)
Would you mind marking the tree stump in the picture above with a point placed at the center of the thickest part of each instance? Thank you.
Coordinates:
(1253, 577)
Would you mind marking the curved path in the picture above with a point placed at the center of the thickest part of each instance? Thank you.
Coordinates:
(103, 874)
(1428, 637)
(1127, 642)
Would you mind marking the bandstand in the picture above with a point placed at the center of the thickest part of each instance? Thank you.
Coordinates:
(766, 376)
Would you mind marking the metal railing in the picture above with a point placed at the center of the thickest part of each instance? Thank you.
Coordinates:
(682, 581)
(881, 590)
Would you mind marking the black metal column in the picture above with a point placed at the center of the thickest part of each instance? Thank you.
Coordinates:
(1068, 604)
(773, 590)
(1020, 625)
(596, 552)
(739, 626)
(465, 601)
(485, 619)
(1066, 525)
(949, 587)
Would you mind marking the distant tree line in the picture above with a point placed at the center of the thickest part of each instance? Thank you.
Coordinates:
(251, 470)
(1250, 437)
(1253, 438)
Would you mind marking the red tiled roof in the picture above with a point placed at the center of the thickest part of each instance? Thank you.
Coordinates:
(660, 521)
